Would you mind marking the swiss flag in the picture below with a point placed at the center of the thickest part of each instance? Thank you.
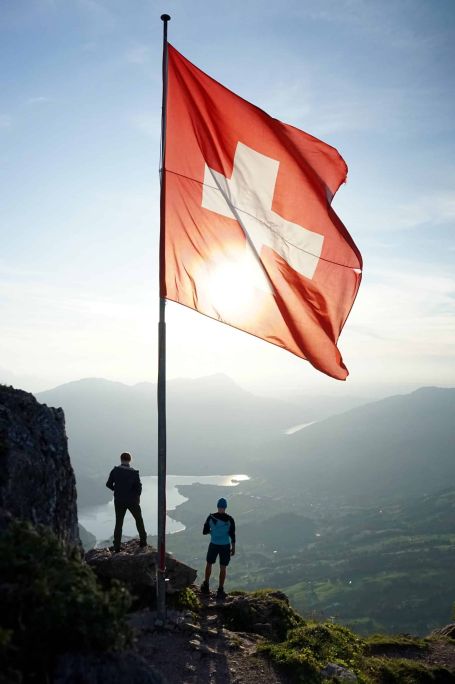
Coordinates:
(250, 237)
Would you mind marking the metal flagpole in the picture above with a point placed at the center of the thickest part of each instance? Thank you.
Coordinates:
(161, 565)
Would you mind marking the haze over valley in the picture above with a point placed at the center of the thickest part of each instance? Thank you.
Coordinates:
(351, 515)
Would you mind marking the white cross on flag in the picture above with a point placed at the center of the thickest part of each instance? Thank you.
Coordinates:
(250, 237)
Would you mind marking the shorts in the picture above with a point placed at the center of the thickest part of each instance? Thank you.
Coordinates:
(223, 549)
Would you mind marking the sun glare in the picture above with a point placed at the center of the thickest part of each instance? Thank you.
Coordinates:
(237, 287)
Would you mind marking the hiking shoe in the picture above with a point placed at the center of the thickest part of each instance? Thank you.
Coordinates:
(221, 594)
(205, 589)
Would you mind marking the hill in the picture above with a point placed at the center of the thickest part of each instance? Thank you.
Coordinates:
(213, 427)
(380, 449)
(398, 447)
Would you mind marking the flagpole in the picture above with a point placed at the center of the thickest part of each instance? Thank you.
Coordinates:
(161, 565)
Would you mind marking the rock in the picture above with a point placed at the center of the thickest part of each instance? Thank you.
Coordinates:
(334, 671)
(113, 667)
(136, 567)
(189, 627)
(37, 481)
(207, 650)
(447, 631)
(262, 612)
(208, 632)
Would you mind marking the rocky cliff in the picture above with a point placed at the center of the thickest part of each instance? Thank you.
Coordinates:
(36, 477)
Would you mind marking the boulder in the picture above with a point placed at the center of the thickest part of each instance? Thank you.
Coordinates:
(37, 481)
(262, 612)
(136, 567)
(341, 674)
(447, 631)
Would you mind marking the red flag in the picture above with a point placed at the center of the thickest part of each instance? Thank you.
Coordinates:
(250, 238)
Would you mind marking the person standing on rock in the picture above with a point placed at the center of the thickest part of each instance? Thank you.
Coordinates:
(126, 484)
(221, 528)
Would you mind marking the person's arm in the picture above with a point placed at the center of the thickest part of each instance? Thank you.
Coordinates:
(232, 536)
(206, 528)
(110, 484)
(138, 485)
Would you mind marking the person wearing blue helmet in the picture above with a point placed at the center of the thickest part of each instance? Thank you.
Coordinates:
(221, 528)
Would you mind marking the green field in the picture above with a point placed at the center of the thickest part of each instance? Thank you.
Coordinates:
(381, 568)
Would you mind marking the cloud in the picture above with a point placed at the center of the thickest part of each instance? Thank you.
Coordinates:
(436, 209)
(401, 314)
(368, 213)
(67, 332)
(5, 121)
(357, 106)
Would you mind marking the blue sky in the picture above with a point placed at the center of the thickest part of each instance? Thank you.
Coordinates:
(79, 141)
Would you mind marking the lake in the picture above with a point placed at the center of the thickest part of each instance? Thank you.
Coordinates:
(100, 520)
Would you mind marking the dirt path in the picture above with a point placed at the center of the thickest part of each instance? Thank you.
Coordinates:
(198, 649)
(202, 650)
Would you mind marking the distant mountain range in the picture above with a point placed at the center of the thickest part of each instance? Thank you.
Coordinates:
(399, 446)
(213, 427)
(352, 515)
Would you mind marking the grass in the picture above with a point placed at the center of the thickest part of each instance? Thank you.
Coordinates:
(186, 599)
(405, 671)
(261, 606)
(308, 649)
(51, 603)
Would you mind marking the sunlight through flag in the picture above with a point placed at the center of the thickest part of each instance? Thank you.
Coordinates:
(250, 237)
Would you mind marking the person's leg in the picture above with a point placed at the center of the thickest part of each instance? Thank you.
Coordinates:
(120, 511)
(212, 554)
(208, 572)
(225, 557)
(136, 512)
(205, 588)
(222, 576)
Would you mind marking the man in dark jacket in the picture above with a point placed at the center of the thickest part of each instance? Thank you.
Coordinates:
(127, 487)
(221, 528)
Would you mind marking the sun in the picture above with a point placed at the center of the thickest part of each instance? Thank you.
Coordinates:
(236, 286)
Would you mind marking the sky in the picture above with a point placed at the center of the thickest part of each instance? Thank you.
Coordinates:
(80, 108)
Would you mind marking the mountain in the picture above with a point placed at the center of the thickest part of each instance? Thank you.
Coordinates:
(397, 447)
(213, 427)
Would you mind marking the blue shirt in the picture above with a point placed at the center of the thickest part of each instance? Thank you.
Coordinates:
(221, 528)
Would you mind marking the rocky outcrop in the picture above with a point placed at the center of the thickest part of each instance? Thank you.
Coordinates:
(338, 672)
(263, 612)
(136, 567)
(36, 477)
(447, 631)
